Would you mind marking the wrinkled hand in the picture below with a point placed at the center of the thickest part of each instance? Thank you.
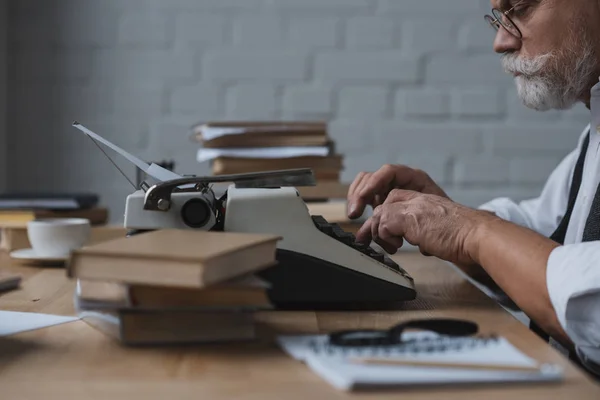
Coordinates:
(373, 188)
(437, 225)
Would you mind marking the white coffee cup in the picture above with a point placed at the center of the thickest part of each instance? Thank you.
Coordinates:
(57, 237)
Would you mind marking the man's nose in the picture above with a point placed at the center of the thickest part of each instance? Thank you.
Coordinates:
(505, 42)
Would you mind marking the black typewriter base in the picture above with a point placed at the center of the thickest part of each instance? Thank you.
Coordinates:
(303, 282)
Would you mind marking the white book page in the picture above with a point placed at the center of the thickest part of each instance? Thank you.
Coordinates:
(154, 170)
(336, 365)
(262, 152)
(347, 376)
(39, 203)
(210, 133)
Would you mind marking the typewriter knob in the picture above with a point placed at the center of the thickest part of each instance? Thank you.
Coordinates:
(163, 204)
(196, 213)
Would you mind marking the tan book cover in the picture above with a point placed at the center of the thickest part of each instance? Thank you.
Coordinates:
(246, 292)
(96, 215)
(168, 327)
(172, 257)
(315, 127)
(218, 297)
(319, 174)
(266, 140)
(14, 236)
(234, 165)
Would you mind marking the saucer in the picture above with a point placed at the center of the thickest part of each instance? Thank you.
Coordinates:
(30, 256)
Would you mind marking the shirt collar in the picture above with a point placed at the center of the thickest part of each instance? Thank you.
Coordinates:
(596, 89)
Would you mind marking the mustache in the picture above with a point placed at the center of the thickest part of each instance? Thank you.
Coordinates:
(514, 64)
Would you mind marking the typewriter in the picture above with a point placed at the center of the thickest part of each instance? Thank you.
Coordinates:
(320, 266)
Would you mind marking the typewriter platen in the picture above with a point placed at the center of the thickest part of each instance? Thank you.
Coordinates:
(319, 265)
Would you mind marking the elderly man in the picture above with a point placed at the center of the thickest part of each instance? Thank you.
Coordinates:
(544, 253)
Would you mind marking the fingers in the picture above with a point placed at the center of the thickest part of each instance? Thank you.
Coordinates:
(403, 177)
(386, 239)
(355, 183)
(379, 183)
(398, 195)
(363, 235)
(384, 228)
(373, 188)
(356, 208)
(370, 189)
(417, 180)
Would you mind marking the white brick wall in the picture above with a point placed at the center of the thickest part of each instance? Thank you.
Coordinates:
(366, 66)
(401, 81)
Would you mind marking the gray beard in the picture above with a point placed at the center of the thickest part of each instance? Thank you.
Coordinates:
(562, 88)
(540, 95)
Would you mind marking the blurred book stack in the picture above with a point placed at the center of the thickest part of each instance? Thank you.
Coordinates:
(243, 147)
(17, 209)
(20, 208)
(173, 286)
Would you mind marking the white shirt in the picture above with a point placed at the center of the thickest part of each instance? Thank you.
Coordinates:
(573, 270)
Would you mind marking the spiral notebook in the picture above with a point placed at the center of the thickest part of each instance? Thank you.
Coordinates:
(423, 359)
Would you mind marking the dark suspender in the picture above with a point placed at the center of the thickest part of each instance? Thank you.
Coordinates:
(561, 231)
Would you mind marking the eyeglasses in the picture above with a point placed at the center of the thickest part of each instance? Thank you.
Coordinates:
(500, 18)
(393, 335)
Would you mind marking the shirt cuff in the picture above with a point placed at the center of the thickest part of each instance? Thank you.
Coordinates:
(499, 207)
(590, 359)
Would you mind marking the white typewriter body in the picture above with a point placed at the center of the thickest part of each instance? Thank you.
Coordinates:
(279, 211)
(283, 212)
(137, 217)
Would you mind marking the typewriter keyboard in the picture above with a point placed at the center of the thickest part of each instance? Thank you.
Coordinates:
(336, 232)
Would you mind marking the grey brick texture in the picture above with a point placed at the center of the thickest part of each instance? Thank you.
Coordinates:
(400, 81)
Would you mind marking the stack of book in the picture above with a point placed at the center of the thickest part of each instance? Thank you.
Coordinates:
(19, 217)
(174, 286)
(17, 209)
(245, 147)
(20, 208)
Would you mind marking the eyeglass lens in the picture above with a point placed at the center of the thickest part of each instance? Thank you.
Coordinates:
(506, 22)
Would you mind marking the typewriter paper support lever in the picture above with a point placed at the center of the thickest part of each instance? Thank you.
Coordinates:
(158, 197)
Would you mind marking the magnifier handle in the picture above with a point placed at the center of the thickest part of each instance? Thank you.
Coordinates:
(443, 326)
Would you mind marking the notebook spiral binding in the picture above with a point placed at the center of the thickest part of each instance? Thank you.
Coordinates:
(427, 345)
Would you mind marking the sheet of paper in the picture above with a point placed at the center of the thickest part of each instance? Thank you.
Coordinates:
(345, 376)
(263, 152)
(156, 171)
(162, 174)
(333, 363)
(39, 203)
(212, 132)
(12, 322)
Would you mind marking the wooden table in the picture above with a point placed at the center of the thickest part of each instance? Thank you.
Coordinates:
(76, 361)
